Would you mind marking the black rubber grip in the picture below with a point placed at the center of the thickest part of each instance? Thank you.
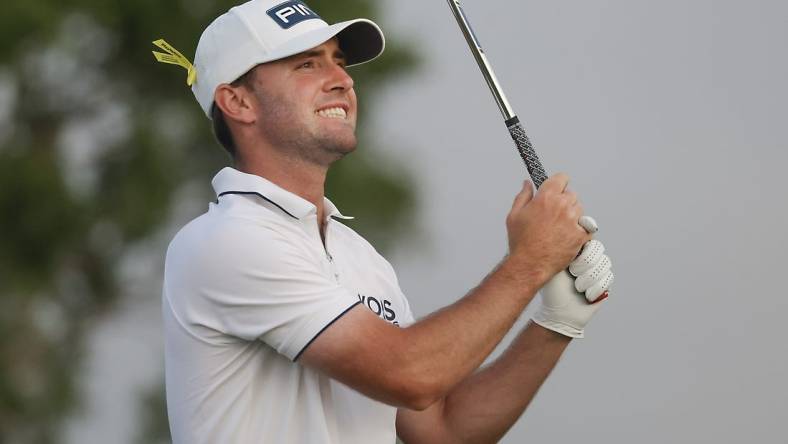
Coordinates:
(526, 150)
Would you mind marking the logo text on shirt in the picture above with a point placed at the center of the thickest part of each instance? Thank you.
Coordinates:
(380, 308)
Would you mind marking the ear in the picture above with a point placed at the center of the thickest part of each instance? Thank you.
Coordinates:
(236, 102)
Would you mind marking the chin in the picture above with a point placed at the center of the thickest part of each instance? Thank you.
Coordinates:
(343, 149)
(344, 142)
(349, 145)
(332, 149)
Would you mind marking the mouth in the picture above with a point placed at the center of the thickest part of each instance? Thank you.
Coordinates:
(333, 112)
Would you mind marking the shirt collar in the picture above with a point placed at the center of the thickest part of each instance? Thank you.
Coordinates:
(231, 181)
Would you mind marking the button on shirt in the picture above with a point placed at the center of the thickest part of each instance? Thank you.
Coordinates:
(247, 287)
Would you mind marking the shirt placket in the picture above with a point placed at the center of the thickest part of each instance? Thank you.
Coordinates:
(310, 224)
(331, 262)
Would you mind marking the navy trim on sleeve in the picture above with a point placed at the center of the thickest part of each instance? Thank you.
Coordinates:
(324, 329)
(260, 196)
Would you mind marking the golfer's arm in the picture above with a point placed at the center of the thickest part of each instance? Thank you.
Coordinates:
(416, 366)
(485, 405)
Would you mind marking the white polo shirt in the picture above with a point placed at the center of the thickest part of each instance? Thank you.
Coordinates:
(247, 286)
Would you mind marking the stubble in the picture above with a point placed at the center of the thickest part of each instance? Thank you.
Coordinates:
(300, 136)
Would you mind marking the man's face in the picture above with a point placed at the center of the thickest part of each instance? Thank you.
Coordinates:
(307, 104)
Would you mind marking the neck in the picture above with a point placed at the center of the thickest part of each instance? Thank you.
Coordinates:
(301, 178)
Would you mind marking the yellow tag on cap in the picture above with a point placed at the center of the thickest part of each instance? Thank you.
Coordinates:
(174, 57)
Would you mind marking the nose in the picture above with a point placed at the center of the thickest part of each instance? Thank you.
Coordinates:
(339, 79)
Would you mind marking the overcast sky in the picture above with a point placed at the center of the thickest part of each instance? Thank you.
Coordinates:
(669, 116)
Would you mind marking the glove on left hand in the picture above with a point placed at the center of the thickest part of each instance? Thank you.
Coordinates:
(564, 309)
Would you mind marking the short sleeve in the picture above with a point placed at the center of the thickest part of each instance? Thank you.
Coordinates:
(408, 319)
(254, 282)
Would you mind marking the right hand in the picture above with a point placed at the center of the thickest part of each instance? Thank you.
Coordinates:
(544, 234)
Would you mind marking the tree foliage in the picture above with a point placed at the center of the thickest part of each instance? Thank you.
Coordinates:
(96, 139)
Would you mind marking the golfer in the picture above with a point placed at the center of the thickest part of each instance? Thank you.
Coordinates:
(283, 325)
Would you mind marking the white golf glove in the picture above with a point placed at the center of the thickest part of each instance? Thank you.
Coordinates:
(565, 309)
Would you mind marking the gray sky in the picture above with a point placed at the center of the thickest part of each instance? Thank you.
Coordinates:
(668, 116)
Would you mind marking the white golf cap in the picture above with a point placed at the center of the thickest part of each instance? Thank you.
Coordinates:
(262, 31)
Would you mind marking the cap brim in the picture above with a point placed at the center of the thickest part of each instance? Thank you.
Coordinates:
(361, 40)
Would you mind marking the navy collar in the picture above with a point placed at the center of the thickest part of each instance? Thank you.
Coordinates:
(231, 181)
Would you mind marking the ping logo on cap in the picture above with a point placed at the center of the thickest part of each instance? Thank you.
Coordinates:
(291, 13)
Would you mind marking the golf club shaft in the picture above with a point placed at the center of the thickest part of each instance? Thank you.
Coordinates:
(516, 130)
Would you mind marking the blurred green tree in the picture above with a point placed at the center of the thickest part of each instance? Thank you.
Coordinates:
(96, 139)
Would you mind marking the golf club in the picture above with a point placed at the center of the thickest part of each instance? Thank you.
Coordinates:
(524, 147)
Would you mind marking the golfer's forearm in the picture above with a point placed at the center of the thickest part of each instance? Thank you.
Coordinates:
(444, 348)
(414, 367)
(483, 407)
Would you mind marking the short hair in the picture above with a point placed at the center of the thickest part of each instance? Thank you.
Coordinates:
(220, 129)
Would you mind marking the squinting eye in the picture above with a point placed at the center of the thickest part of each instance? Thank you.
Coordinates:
(307, 64)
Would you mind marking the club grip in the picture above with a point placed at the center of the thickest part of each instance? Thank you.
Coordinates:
(526, 150)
